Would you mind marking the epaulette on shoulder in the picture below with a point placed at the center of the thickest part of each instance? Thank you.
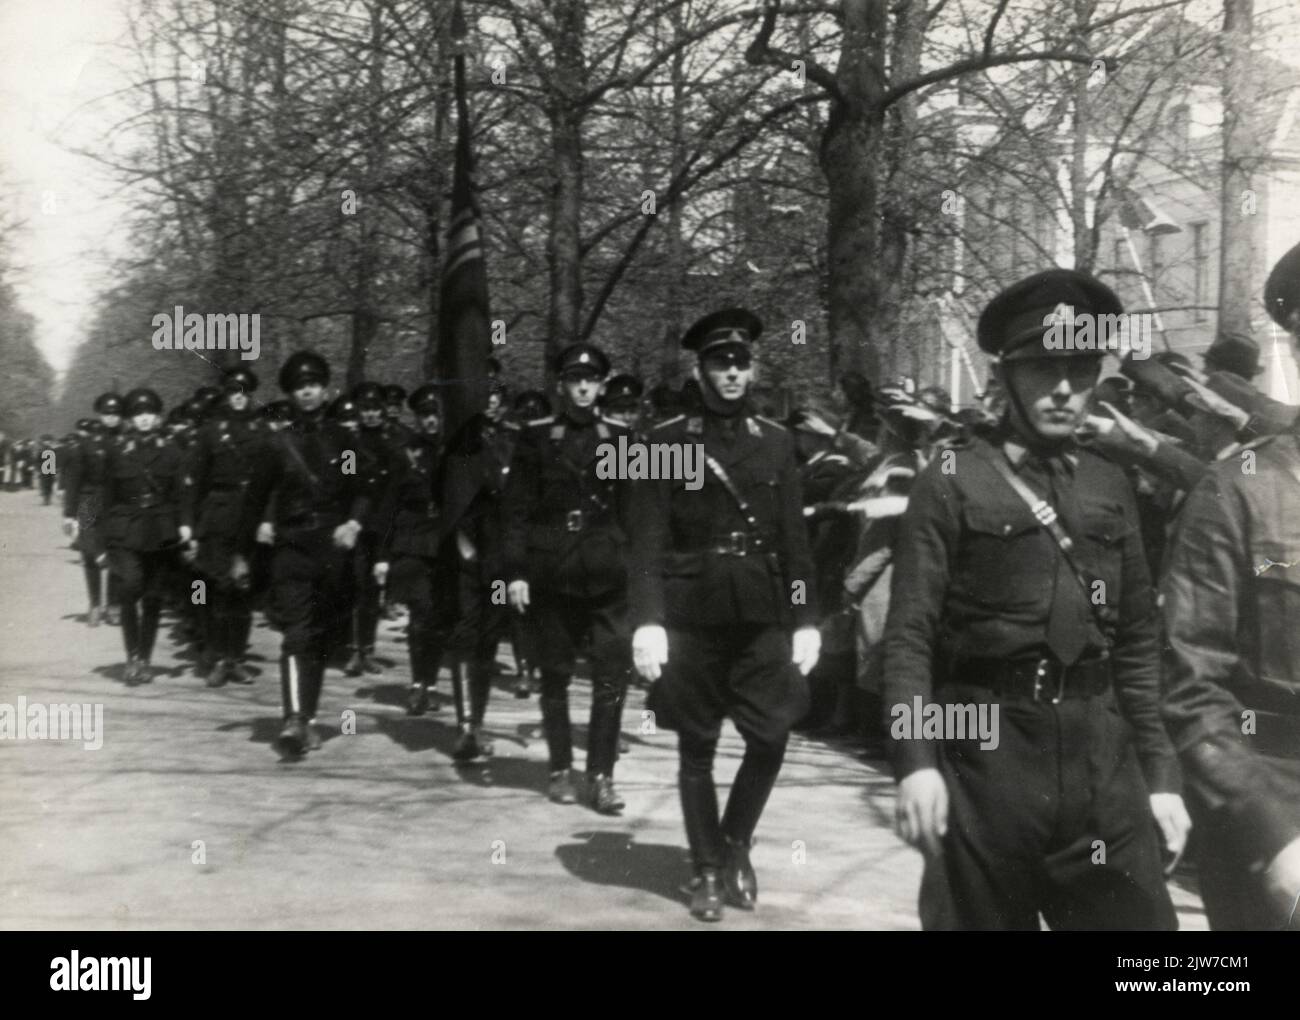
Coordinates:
(669, 421)
(769, 421)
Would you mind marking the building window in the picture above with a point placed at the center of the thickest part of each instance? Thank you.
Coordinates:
(1200, 270)
(1180, 127)
(1156, 260)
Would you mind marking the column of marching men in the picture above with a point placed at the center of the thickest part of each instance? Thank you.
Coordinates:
(328, 515)
(948, 558)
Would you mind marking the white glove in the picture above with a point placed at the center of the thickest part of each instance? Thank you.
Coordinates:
(186, 533)
(517, 594)
(650, 650)
(266, 533)
(345, 535)
(1174, 822)
(381, 573)
(1282, 881)
(807, 646)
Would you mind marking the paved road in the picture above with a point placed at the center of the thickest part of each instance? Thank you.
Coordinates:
(186, 818)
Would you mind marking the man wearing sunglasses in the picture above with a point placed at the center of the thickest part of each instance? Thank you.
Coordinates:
(721, 578)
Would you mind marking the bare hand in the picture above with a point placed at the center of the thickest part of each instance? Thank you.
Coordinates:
(921, 813)
(266, 533)
(381, 573)
(518, 595)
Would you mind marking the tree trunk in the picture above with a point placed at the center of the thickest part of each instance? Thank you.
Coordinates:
(564, 247)
(850, 158)
(365, 320)
(1241, 149)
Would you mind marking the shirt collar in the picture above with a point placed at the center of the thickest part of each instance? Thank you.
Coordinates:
(1017, 452)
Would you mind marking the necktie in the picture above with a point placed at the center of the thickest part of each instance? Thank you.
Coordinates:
(1068, 618)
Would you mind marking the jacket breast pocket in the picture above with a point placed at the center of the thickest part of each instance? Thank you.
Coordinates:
(1273, 609)
(1002, 558)
(1102, 561)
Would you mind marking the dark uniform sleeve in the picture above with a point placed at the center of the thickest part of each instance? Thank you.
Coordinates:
(927, 537)
(73, 462)
(261, 486)
(1135, 654)
(386, 511)
(194, 465)
(796, 554)
(1203, 594)
(518, 504)
(649, 502)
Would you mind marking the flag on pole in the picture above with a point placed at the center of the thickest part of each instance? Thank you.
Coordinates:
(463, 335)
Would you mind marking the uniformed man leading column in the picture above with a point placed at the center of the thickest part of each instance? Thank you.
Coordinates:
(720, 575)
(1053, 808)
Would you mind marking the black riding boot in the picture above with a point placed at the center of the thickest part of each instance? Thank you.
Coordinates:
(704, 834)
(555, 720)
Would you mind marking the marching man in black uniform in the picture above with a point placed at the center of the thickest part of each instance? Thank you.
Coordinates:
(1232, 704)
(376, 438)
(411, 562)
(83, 501)
(1021, 596)
(564, 560)
(220, 468)
(311, 473)
(143, 478)
(721, 576)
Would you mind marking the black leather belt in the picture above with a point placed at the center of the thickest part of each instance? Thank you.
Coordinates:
(1035, 679)
(312, 519)
(577, 520)
(736, 543)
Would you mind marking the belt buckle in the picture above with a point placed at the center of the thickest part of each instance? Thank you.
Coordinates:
(1040, 673)
(573, 520)
(738, 543)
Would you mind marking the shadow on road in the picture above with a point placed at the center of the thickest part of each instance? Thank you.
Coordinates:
(615, 858)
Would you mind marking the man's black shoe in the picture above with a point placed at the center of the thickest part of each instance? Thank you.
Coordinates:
(706, 896)
(562, 788)
(604, 798)
(217, 674)
(738, 876)
(417, 700)
(293, 737)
